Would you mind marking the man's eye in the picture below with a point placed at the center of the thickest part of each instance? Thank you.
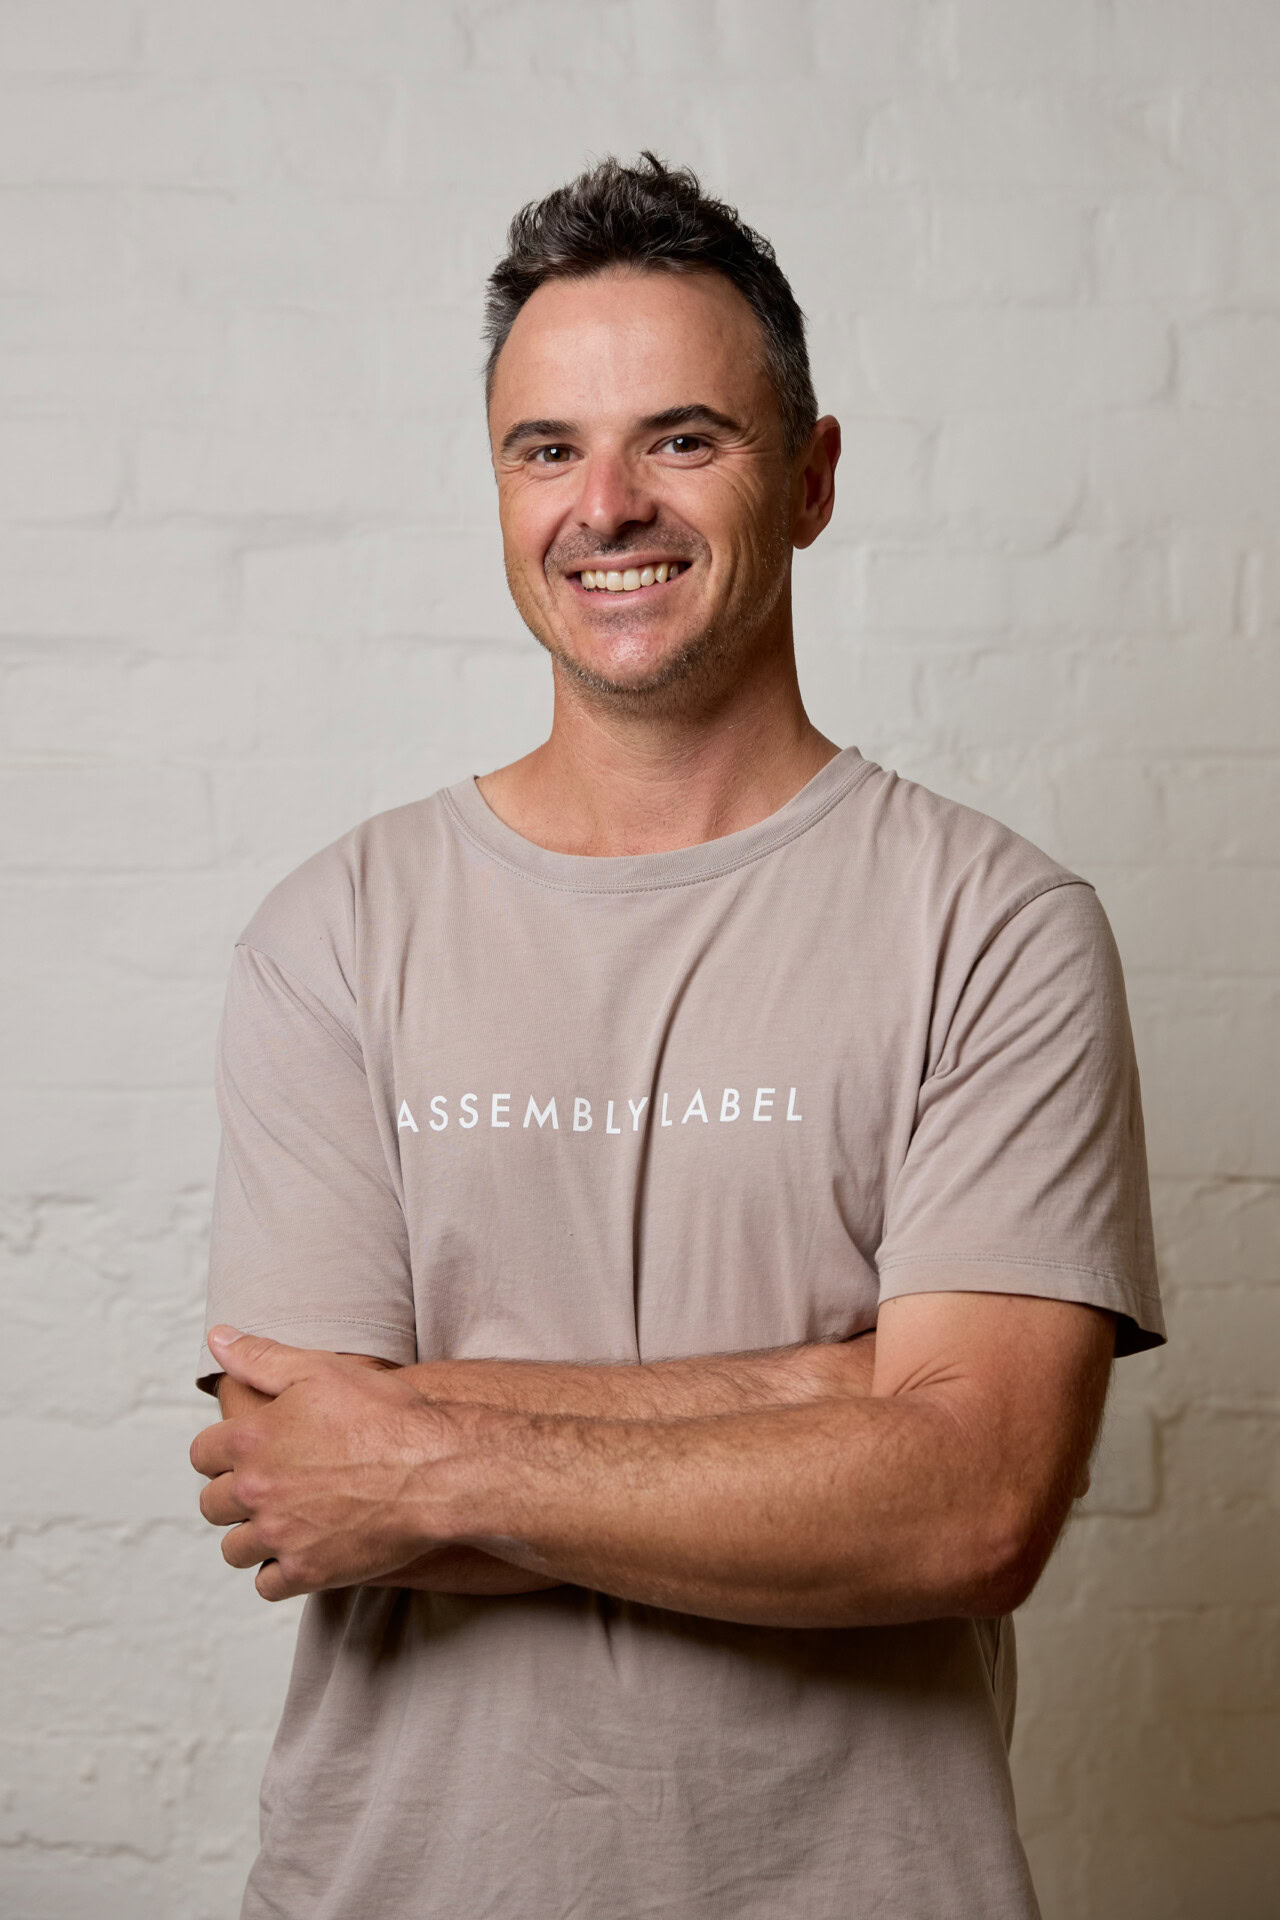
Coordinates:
(685, 443)
(552, 456)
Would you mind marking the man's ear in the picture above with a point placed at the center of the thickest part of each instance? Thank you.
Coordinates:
(815, 489)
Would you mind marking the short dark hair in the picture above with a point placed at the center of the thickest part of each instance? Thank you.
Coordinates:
(655, 218)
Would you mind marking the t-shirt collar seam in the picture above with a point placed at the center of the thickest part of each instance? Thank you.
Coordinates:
(859, 771)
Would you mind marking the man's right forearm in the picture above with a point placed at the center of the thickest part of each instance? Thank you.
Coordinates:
(693, 1388)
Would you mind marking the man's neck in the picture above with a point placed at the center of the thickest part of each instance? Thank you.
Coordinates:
(608, 783)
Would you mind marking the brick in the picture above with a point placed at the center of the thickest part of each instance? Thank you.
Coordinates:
(106, 355)
(71, 818)
(299, 36)
(1258, 250)
(1125, 1474)
(547, 39)
(754, 36)
(882, 481)
(86, 1791)
(1220, 1039)
(933, 591)
(1208, 467)
(312, 587)
(1215, 1664)
(444, 584)
(1088, 585)
(1232, 360)
(68, 133)
(1165, 247)
(928, 362)
(68, 36)
(280, 360)
(280, 244)
(1045, 135)
(1223, 809)
(674, 36)
(1108, 808)
(1224, 1560)
(1217, 920)
(301, 464)
(1206, 579)
(61, 241)
(1185, 40)
(1018, 475)
(173, 585)
(58, 470)
(1038, 39)
(884, 235)
(286, 809)
(1009, 246)
(876, 51)
(1225, 135)
(1217, 1233)
(425, 351)
(1226, 1355)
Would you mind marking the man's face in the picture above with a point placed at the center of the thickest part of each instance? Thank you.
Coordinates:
(634, 430)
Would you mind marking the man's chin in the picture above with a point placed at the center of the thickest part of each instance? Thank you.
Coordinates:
(636, 682)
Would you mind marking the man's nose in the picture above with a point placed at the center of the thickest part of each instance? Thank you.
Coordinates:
(614, 495)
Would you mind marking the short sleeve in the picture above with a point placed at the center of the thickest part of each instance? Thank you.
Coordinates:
(308, 1242)
(1026, 1171)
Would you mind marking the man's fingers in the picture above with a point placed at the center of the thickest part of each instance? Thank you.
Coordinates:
(243, 1546)
(265, 1364)
(272, 1585)
(218, 1502)
(210, 1451)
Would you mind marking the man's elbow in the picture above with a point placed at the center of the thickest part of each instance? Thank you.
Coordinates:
(1006, 1551)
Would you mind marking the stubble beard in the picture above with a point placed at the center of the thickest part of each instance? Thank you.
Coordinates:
(701, 672)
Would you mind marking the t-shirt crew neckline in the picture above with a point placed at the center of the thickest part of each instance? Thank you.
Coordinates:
(644, 872)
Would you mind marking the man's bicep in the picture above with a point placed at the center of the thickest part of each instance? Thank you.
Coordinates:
(1023, 1380)
(309, 1242)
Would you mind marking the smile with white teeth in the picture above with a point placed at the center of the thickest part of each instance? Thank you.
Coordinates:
(597, 579)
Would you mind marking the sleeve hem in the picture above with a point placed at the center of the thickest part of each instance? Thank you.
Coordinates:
(336, 1334)
(1139, 1324)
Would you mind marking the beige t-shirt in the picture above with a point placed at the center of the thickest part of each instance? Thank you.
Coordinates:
(479, 1098)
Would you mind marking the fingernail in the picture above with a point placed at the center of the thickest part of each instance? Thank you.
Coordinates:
(223, 1336)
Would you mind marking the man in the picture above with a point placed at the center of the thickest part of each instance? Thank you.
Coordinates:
(680, 1197)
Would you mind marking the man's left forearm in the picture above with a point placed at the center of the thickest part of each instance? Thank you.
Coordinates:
(699, 1385)
(861, 1512)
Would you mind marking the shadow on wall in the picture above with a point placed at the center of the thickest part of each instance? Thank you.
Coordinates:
(1147, 1752)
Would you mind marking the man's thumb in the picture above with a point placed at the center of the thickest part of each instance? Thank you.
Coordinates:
(265, 1364)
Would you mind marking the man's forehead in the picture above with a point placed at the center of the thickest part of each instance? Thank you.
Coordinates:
(629, 342)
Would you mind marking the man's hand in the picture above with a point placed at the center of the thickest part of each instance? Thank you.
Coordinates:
(330, 1482)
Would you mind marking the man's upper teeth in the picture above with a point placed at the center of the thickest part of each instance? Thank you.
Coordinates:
(613, 582)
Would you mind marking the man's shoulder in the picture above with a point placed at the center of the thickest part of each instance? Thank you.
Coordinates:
(311, 922)
(950, 855)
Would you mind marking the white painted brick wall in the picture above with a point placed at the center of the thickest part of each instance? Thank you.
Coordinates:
(250, 591)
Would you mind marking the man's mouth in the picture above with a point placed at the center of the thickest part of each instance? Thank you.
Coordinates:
(628, 579)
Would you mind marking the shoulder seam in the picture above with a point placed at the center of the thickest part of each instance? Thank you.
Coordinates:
(263, 953)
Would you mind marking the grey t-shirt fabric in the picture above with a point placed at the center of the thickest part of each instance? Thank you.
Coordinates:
(480, 1098)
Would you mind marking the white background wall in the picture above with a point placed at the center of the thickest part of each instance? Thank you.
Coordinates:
(250, 592)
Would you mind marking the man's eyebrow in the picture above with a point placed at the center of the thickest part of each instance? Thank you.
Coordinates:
(695, 414)
(536, 430)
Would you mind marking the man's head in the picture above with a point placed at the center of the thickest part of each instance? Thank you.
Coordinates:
(650, 407)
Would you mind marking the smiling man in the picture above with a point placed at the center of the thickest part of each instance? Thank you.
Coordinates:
(680, 1198)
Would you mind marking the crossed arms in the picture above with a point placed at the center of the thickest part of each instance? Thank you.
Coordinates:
(922, 1472)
